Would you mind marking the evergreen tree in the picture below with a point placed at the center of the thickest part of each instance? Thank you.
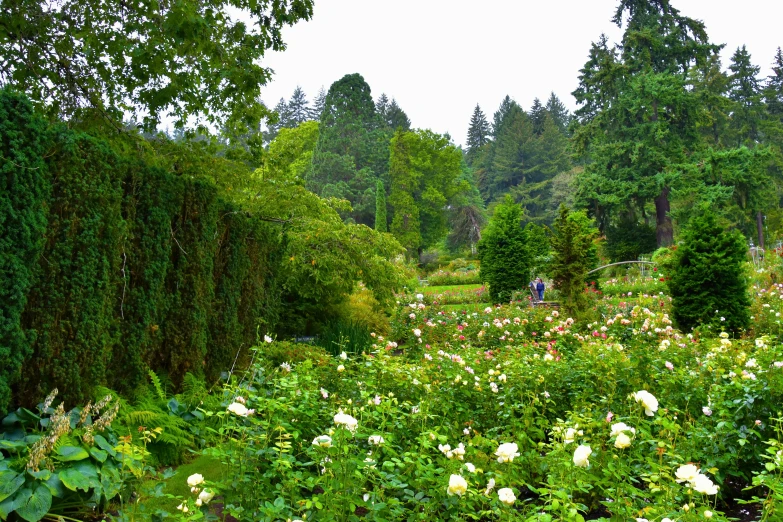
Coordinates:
(352, 151)
(558, 112)
(283, 120)
(318, 105)
(509, 154)
(638, 117)
(500, 114)
(537, 115)
(503, 251)
(298, 109)
(745, 92)
(573, 255)
(711, 86)
(773, 91)
(708, 284)
(396, 117)
(478, 134)
(382, 106)
(380, 207)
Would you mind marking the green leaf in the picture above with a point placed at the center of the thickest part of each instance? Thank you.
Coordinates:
(70, 453)
(55, 486)
(104, 445)
(44, 474)
(10, 481)
(73, 479)
(7, 507)
(99, 455)
(36, 506)
(12, 444)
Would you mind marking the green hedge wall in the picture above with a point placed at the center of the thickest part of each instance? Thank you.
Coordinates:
(115, 260)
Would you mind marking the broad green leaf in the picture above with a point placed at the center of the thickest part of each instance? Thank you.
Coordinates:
(12, 445)
(98, 454)
(55, 486)
(36, 506)
(7, 507)
(104, 445)
(10, 481)
(70, 453)
(73, 479)
(44, 474)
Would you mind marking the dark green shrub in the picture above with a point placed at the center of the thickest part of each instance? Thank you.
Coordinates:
(503, 252)
(341, 335)
(708, 284)
(573, 254)
(626, 241)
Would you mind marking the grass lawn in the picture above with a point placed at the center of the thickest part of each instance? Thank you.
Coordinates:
(433, 290)
(209, 467)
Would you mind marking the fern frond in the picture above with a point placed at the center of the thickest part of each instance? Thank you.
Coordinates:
(158, 387)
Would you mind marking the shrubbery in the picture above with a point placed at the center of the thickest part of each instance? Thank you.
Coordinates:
(708, 284)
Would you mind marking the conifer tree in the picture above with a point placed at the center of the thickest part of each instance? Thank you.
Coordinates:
(503, 251)
(708, 284)
(478, 134)
(298, 109)
(510, 154)
(537, 114)
(500, 114)
(396, 117)
(773, 91)
(466, 213)
(745, 92)
(318, 105)
(380, 207)
(711, 86)
(558, 112)
(283, 120)
(382, 106)
(573, 255)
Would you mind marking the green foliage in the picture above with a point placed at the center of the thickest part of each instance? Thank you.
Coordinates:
(423, 170)
(291, 153)
(504, 252)
(24, 187)
(184, 59)
(708, 283)
(352, 150)
(573, 255)
(343, 335)
(380, 207)
(626, 241)
(539, 245)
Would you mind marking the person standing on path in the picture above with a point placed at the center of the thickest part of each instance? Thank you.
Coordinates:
(540, 287)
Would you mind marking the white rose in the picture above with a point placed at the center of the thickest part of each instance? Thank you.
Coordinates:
(620, 427)
(195, 480)
(622, 441)
(686, 473)
(581, 455)
(649, 402)
(507, 451)
(341, 368)
(343, 419)
(205, 496)
(506, 496)
(324, 441)
(343, 356)
(376, 440)
(703, 484)
(238, 409)
(457, 485)
(470, 467)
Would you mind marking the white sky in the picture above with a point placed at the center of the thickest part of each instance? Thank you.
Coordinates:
(439, 58)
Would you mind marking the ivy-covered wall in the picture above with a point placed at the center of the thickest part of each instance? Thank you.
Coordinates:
(113, 262)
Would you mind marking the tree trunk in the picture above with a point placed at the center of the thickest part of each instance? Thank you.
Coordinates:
(760, 228)
(664, 230)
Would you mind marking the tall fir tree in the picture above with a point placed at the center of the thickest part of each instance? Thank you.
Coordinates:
(745, 92)
(318, 105)
(773, 90)
(478, 134)
(466, 214)
(537, 115)
(510, 154)
(299, 110)
(559, 113)
(711, 85)
(382, 106)
(380, 207)
(283, 121)
(638, 118)
(500, 114)
(396, 117)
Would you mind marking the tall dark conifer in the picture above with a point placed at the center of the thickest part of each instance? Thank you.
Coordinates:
(318, 105)
(396, 117)
(560, 115)
(500, 114)
(745, 92)
(478, 134)
(773, 91)
(298, 109)
(537, 115)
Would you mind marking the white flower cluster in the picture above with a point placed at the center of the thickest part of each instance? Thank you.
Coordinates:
(456, 453)
(649, 402)
(699, 482)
